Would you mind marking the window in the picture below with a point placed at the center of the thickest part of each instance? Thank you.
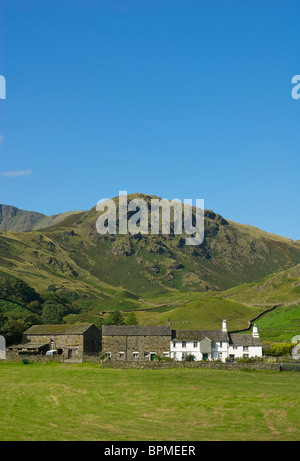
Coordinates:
(245, 356)
(174, 343)
(165, 354)
(108, 355)
(221, 344)
(135, 355)
(121, 355)
(195, 344)
(234, 347)
(245, 348)
(183, 344)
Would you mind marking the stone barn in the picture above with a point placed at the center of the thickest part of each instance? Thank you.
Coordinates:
(136, 343)
(72, 340)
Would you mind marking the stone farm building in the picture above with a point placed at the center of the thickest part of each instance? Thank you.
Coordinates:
(143, 343)
(121, 342)
(137, 343)
(73, 341)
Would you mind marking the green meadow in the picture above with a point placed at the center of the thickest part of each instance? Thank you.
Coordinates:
(281, 324)
(45, 402)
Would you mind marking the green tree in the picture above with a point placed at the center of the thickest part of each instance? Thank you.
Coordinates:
(131, 319)
(15, 323)
(53, 313)
(17, 290)
(115, 318)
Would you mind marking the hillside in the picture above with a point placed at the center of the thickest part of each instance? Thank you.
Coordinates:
(16, 220)
(70, 252)
(280, 288)
(236, 273)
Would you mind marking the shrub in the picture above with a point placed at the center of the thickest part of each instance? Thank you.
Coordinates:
(190, 358)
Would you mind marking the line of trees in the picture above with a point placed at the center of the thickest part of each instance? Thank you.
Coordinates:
(21, 307)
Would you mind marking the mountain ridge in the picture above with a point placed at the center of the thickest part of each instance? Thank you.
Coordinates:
(70, 251)
(18, 220)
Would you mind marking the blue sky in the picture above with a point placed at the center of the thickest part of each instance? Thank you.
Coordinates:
(181, 99)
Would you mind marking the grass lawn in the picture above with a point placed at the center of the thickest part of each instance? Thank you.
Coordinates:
(87, 402)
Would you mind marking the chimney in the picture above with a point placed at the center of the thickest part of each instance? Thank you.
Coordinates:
(224, 326)
(255, 333)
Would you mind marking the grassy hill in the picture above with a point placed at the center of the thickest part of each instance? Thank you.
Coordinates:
(195, 285)
(278, 288)
(72, 252)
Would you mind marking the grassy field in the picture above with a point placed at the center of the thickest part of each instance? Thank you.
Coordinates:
(280, 324)
(86, 402)
(206, 312)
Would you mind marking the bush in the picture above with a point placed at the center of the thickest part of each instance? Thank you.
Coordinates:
(279, 349)
(190, 358)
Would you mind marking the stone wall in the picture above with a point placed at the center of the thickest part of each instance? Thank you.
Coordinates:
(12, 356)
(171, 364)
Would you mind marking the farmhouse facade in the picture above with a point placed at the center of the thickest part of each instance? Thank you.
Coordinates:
(214, 344)
(142, 343)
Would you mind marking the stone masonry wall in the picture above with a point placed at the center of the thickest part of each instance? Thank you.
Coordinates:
(12, 356)
(173, 364)
(129, 344)
(65, 342)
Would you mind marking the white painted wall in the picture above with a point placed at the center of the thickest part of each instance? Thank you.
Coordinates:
(239, 351)
(219, 351)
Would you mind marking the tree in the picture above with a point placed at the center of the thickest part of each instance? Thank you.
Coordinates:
(15, 323)
(53, 313)
(131, 319)
(18, 290)
(115, 318)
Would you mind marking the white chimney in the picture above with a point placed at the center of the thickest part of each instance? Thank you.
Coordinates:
(224, 326)
(255, 333)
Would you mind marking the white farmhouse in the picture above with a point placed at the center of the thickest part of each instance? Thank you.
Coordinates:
(215, 344)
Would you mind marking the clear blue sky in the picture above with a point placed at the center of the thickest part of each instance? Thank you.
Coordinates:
(177, 98)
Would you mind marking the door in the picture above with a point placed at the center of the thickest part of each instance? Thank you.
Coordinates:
(152, 355)
(70, 353)
(205, 356)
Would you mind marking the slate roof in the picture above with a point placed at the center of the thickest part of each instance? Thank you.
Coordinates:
(64, 329)
(28, 346)
(136, 330)
(197, 335)
(239, 339)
